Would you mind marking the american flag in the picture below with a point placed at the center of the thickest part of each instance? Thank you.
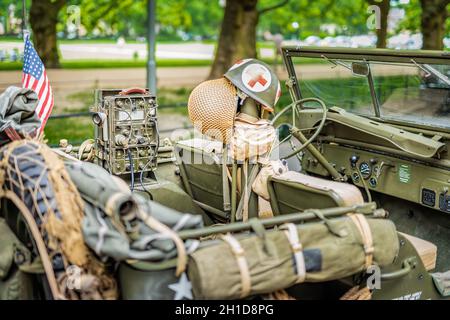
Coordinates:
(35, 77)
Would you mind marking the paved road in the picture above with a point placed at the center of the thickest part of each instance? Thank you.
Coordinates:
(193, 51)
(112, 78)
(66, 82)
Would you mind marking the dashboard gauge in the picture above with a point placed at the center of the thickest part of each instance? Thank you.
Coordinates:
(355, 177)
(373, 182)
(366, 170)
(376, 171)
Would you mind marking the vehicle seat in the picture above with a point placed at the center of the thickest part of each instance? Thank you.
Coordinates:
(295, 192)
(201, 171)
(426, 250)
(200, 163)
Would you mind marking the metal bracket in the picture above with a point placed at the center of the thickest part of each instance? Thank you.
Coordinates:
(290, 82)
(407, 266)
(427, 73)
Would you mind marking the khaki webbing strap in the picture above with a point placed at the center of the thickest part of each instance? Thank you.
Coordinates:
(238, 252)
(109, 210)
(291, 233)
(246, 193)
(225, 184)
(111, 203)
(364, 229)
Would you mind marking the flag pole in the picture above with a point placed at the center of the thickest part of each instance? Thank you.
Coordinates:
(151, 45)
(25, 31)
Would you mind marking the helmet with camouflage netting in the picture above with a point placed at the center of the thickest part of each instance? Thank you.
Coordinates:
(212, 107)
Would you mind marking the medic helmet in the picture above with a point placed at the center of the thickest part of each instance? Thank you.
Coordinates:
(256, 80)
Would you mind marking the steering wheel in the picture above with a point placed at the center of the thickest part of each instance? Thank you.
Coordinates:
(294, 129)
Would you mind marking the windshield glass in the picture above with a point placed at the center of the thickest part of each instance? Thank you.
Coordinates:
(413, 93)
(407, 92)
(333, 84)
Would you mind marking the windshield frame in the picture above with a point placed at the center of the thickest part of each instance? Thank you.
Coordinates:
(419, 58)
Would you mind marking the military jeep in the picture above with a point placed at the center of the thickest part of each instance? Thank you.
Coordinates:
(355, 204)
(385, 131)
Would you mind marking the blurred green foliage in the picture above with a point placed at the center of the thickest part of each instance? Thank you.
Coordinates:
(201, 19)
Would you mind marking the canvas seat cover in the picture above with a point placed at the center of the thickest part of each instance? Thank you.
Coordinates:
(294, 190)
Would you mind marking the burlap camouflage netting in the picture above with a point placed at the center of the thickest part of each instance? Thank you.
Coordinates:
(35, 179)
(212, 107)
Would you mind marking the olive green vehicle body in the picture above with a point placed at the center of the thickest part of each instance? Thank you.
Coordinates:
(403, 152)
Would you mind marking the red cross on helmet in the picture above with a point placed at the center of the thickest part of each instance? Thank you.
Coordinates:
(256, 79)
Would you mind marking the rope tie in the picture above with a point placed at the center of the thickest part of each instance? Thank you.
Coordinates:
(40, 244)
(356, 293)
(86, 152)
(60, 216)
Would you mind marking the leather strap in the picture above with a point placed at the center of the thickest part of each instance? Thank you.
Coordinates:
(364, 229)
(291, 233)
(238, 252)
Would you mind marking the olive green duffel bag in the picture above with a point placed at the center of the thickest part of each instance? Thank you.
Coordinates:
(237, 267)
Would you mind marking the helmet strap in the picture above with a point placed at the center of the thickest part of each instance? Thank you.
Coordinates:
(251, 108)
(241, 97)
(264, 113)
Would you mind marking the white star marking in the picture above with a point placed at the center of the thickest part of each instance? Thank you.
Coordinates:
(182, 288)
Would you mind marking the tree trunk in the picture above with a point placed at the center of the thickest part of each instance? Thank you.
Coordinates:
(434, 15)
(248, 20)
(237, 38)
(43, 20)
(385, 7)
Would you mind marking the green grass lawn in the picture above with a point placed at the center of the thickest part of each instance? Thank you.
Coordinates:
(106, 63)
(76, 130)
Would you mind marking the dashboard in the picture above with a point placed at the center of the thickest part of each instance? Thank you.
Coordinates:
(408, 179)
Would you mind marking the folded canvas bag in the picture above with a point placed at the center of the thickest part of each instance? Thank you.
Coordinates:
(315, 252)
